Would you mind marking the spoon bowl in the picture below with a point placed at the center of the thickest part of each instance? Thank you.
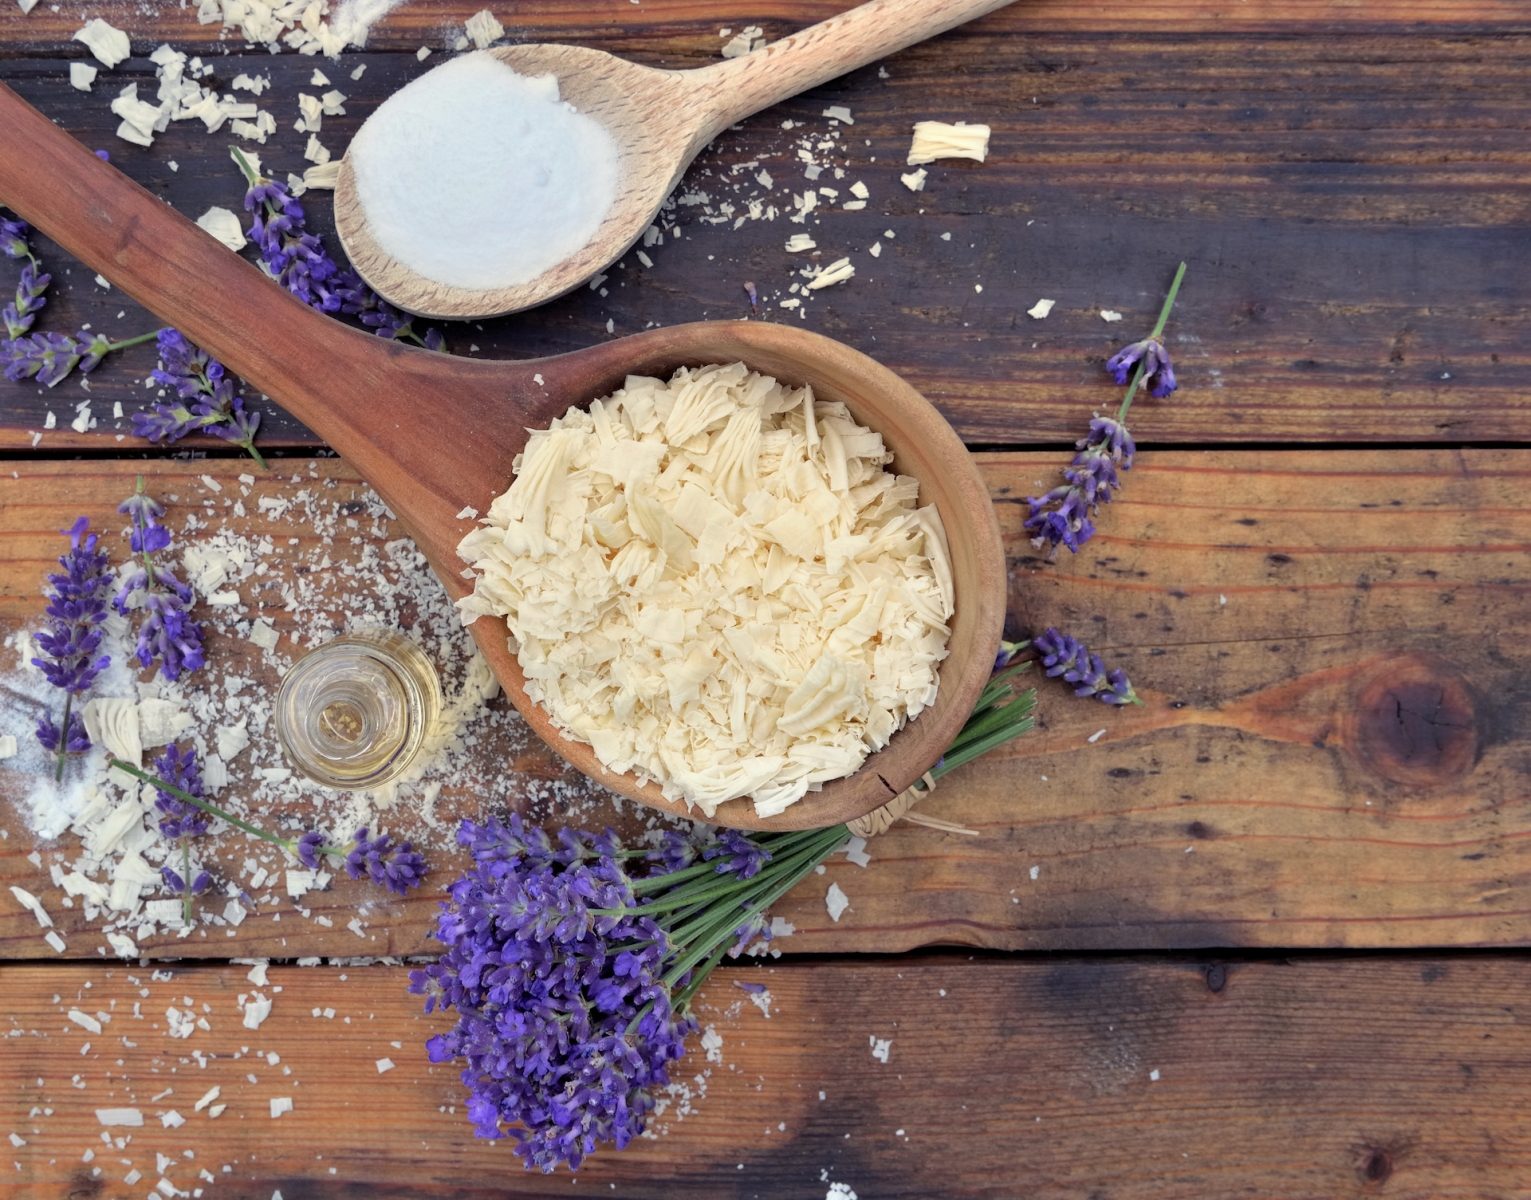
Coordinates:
(436, 435)
(659, 121)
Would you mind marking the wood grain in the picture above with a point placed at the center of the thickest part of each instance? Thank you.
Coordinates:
(1335, 1077)
(1336, 756)
(1353, 210)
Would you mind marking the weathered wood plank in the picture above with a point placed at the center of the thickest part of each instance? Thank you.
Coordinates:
(1333, 757)
(692, 23)
(1335, 1077)
(1354, 212)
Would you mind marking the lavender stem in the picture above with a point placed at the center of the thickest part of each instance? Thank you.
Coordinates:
(1164, 316)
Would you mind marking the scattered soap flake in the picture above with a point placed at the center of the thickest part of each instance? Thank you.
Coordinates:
(280, 1105)
(915, 180)
(836, 901)
(856, 851)
(108, 44)
(84, 1020)
(423, 53)
(1110, 315)
(119, 1116)
(264, 635)
(749, 39)
(81, 75)
(1040, 309)
(172, 1120)
(936, 139)
(469, 513)
(1096, 736)
(838, 112)
(881, 1048)
(482, 29)
(837, 272)
(31, 902)
(224, 226)
(800, 243)
(207, 1098)
(384, 1065)
(257, 1009)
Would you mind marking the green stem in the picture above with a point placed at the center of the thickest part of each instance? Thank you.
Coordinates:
(185, 882)
(139, 340)
(288, 844)
(1164, 316)
(63, 738)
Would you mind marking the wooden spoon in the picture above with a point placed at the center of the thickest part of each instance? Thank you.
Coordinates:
(659, 121)
(435, 434)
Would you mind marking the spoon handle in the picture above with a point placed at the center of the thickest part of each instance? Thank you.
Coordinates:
(741, 86)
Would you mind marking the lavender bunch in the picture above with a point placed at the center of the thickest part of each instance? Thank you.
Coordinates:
(572, 963)
(206, 399)
(298, 261)
(76, 606)
(166, 632)
(1072, 659)
(1062, 516)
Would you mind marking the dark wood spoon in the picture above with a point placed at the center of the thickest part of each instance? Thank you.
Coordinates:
(435, 433)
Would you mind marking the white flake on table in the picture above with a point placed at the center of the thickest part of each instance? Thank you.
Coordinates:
(1035, 871)
(836, 901)
(119, 1116)
(109, 44)
(53, 939)
(172, 1120)
(257, 1009)
(856, 851)
(84, 1020)
(31, 902)
(82, 75)
(1096, 736)
(1040, 309)
(280, 1105)
(207, 1098)
(384, 1065)
(224, 226)
(264, 635)
(482, 29)
(1110, 315)
(915, 180)
(937, 139)
(881, 1047)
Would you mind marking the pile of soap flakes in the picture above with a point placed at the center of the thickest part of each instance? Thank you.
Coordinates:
(106, 851)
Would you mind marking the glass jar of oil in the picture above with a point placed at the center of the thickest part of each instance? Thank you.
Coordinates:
(354, 712)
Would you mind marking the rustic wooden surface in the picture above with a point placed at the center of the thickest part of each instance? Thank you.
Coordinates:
(1336, 757)
(1334, 658)
(1354, 208)
(1334, 1077)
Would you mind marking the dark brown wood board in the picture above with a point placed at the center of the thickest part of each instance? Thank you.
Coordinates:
(1349, 187)
(1334, 1077)
(1333, 750)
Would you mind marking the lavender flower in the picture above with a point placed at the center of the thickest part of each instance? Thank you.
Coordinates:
(1062, 516)
(181, 818)
(743, 857)
(76, 606)
(308, 849)
(175, 883)
(676, 851)
(201, 380)
(298, 261)
(1158, 372)
(13, 239)
(1007, 651)
(397, 868)
(166, 632)
(1071, 658)
(30, 299)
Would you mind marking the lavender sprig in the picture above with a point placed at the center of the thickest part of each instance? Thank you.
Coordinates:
(1062, 517)
(13, 239)
(298, 261)
(181, 821)
(77, 606)
(50, 357)
(1072, 659)
(408, 868)
(207, 402)
(166, 633)
(30, 300)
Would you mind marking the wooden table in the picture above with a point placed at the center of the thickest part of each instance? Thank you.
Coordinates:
(1261, 937)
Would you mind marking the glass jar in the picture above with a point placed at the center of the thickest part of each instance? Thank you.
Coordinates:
(354, 712)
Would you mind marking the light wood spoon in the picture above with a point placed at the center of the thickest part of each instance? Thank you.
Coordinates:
(659, 120)
(435, 434)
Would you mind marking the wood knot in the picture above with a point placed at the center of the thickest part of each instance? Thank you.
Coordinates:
(1416, 723)
(1376, 1165)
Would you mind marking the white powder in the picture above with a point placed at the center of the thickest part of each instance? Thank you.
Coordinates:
(476, 177)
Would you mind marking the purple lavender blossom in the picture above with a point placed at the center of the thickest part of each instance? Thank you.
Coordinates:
(76, 607)
(1062, 516)
(1070, 658)
(309, 847)
(298, 261)
(166, 633)
(49, 357)
(208, 403)
(675, 852)
(564, 1019)
(743, 857)
(176, 884)
(1158, 371)
(180, 819)
(397, 868)
(77, 742)
(13, 238)
(30, 300)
